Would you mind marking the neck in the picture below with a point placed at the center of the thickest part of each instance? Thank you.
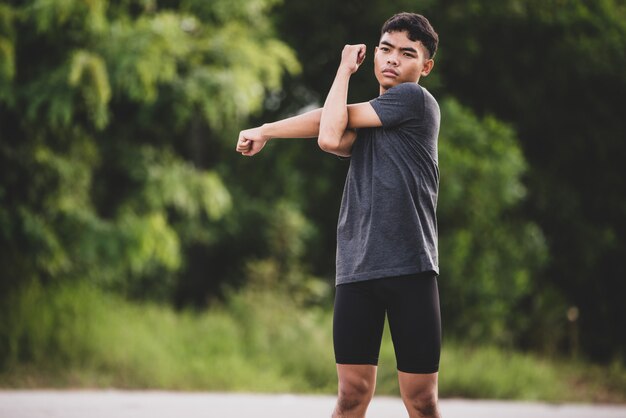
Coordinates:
(383, 90)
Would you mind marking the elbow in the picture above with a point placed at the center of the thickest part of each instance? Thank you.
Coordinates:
(323, 143)
(327, 143)
(334, 147)
(329, 139)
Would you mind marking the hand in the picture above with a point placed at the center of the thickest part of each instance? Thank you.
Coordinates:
(251, 141)
(352, 57)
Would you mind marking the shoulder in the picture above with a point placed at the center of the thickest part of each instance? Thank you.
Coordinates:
(429, 100)
(407, 88)
(404, 89)
(399, 104)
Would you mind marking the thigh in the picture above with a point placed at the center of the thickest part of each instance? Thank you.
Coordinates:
(415, 322)
(358, 322)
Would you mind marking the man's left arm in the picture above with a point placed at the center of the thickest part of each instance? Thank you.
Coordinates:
(338, 120)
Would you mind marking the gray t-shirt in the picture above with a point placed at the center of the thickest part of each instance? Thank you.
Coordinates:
(387, 224)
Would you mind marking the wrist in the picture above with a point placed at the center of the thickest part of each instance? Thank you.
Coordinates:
(344, 71)
(266, 129)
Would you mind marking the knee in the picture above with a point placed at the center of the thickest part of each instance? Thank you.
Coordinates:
(424, 405)
(354, 395)
(427, 407)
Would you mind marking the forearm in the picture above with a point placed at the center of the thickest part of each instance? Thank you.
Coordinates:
(251, 141)
(334, 116)
(306, 125)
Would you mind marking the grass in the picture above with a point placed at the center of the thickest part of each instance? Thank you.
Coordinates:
(80, 337)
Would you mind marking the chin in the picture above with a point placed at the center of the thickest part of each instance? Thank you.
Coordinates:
(387, 83)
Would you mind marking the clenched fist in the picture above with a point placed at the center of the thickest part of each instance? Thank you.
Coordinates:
(251, 141)
(352, 57)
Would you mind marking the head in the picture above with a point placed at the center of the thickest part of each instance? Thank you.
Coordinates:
(406, 49)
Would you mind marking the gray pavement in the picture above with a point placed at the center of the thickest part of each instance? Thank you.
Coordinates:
(156, 404)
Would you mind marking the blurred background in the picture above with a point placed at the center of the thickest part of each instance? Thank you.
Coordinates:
(139, 250)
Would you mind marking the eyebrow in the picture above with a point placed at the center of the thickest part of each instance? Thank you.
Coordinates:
(407, 49)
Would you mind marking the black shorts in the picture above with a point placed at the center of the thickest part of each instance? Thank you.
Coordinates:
(412, 306)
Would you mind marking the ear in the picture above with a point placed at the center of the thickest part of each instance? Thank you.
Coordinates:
(428, 67)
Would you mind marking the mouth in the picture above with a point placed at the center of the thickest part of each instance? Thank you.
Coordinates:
(390, 72)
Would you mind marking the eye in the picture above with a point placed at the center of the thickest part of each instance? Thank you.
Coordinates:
(384, 49)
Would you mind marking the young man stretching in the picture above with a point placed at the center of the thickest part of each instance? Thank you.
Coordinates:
(387, 261)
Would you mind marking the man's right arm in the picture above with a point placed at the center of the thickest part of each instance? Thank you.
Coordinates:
(306, 125)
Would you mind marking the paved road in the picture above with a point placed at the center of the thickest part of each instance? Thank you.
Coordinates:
(154, 404)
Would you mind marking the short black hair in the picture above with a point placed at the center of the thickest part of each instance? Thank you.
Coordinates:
(418, 28)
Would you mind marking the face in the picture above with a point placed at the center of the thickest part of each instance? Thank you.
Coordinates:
(399, 60)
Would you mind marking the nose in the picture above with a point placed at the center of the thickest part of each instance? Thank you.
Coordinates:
(392, 60)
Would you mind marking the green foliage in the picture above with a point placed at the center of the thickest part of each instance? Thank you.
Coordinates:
(257, 340)
(101, 103)
(488, 256)
(7, 51)
(88, 72)
(554, 70)
(82, 336)
(502, 374)
(287, 235)
(482, 165)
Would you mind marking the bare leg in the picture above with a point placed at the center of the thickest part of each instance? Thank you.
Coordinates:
(356, 388)
(419, 394)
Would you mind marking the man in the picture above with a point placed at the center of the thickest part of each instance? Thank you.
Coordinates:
(387, 260)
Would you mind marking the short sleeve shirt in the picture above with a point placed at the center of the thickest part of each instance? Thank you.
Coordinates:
(387, 222)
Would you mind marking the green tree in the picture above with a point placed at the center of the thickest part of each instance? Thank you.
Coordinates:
(554, 70)
(489, 255)
(107, 110)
